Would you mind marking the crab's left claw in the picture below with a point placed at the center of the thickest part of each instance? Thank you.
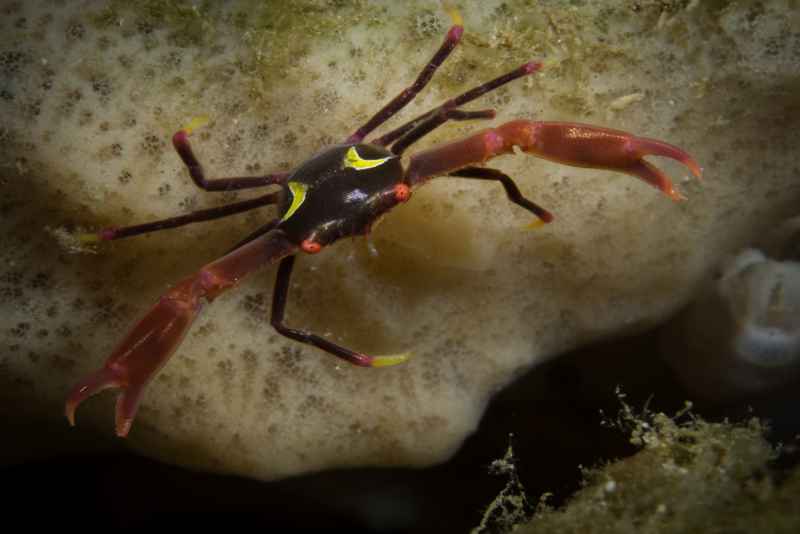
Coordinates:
(579, 145)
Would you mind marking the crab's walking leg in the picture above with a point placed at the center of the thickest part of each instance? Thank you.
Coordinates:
(457, 102)
(181, 143)
(407, 95)
(151, 342)
(512, 191)
(579, 145)
(107, 234)
(279, 307)
(435, 120)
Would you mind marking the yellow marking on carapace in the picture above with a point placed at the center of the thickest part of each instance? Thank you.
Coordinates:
(452, 10)
(196, 122)
(298, 191)
(353, 160)
(390, 359)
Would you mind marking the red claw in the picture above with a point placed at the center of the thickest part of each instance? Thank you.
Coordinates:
(145, 349)
(151, 342)
(582, 145)
(578, 145)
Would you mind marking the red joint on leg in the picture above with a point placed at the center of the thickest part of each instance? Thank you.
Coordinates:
(211, 284)
(310, 247)
(531, 67)
(455, 33)
(493, 144)
(107, 234)
(180, 138)
(402, 192)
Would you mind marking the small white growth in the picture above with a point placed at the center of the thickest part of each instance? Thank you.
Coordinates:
(70, 241)
(764, 298)
(742, 336)
(625, 101)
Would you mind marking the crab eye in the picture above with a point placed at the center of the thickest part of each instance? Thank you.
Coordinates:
(298, 191)
(354, 160)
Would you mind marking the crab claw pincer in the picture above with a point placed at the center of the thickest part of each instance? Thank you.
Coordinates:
(583, 145)
(568, 143)
(151, 342)
(140, 355)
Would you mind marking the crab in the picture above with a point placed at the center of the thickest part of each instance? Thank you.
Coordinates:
(342, 191)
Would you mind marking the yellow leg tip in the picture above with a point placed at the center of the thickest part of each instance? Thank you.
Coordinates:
(535, 224)
(390, 359)
(549, 63)
(196, 122)
(87, 239)
(452, 10)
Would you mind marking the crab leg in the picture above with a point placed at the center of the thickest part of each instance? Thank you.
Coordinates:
(181, 143)
(579, 145)
(407, 95)
(435, 120)
(457, 102)
(119, 232)
(512, 191)
(151, 342)
(279, 307)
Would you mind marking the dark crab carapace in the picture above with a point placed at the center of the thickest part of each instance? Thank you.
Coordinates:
(342, 191)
